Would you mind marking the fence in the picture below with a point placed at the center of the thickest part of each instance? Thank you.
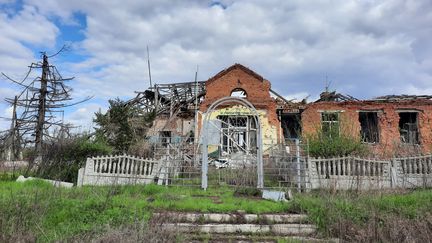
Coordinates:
(413, 171)
(365, 174)
(287, 167)
(118, 169)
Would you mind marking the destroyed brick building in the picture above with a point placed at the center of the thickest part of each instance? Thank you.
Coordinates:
(389, 125)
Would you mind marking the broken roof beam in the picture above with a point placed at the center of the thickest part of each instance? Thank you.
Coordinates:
(402, 97)
(167, 98)
(185, 84)
(336, 97)
(280, 96)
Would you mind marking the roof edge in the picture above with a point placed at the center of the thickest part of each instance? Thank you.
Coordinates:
(233, 67)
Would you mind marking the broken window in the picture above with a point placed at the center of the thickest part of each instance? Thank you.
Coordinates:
(408, 127)
(291, 125)
(369, 130)
(165, 138)
(238, 93)
(330, 123)
(238, 133)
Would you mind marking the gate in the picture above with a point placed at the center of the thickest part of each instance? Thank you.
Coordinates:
(236, 143)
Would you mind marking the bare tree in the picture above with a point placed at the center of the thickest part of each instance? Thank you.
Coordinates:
(39, 103)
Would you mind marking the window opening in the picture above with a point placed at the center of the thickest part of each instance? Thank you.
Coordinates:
(165, 137)
(408, 127)
(239, 93)
(238, 134)
(330, 123)
(369, 130)
(291, 125)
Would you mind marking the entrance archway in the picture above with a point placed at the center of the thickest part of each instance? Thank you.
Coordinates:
(205, 136)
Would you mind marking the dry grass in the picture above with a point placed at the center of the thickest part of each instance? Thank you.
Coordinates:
(374, 216)
(140, 231)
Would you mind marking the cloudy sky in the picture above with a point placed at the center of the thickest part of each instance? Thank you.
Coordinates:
(366, 48)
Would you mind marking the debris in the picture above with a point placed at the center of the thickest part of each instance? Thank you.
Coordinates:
(402, 97)
(333, 96)
(276, 195)
(21, 178)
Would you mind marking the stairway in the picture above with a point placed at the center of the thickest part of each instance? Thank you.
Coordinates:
(238, 227)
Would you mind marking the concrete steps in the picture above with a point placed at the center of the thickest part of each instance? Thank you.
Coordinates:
(275, 229)
(238, 227)
(230, 218)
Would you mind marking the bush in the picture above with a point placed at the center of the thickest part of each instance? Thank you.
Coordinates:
(62, 160)
(141, 148)
(247, 192)
(335, 145)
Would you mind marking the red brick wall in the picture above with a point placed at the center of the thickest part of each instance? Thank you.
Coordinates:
(256, 88)
(258, 91)
(390, 143)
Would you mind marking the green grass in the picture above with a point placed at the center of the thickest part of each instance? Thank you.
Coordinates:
(54, 214)
(326, 209)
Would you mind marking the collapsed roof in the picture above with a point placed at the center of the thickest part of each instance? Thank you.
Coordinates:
(333, 96)
(168, 98)
(396, 98)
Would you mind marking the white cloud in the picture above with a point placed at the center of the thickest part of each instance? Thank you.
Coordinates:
(297, 97)
(82, 116)
(19, 31)
(367, 48)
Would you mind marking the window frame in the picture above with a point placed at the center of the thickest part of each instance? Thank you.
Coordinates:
(378, 127)
(330, 123)
(418, 136)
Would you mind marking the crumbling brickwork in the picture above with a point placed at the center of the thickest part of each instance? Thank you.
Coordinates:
(388, 120)
(179, 127)
(387, 112)
(256, 87)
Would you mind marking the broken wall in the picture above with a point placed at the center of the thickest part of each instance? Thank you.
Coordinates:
(269, 132)
(257, 92)
(178, 127)
(388, 121)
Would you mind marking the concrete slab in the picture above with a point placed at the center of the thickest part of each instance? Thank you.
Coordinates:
(21, 178)
(279, 229)
(274, 195)
(225, 218)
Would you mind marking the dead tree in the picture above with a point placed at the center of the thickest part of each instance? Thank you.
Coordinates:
(39, 103)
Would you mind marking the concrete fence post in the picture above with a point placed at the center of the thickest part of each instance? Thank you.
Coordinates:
(313, 175)
(81, 174)
(308, 179)
(299, 186)
(394, 173)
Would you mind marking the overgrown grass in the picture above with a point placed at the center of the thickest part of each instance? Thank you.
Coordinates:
(368, 216)
(35, 210)
(336, 144)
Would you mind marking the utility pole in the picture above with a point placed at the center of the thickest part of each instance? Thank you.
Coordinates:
(196, 105)
(15, 136)
(148, 64)
(40, 101)
(39, 131)
(195, 145)
(13, 150)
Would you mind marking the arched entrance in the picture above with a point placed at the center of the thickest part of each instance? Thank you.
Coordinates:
(233, 138)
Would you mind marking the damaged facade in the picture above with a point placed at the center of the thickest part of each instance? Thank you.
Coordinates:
(390, 125)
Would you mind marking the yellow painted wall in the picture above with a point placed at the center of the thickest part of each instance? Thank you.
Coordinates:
(269, 132)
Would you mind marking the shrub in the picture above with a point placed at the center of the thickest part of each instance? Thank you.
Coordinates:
(334, 145)
(247, 192)
(62, 160)
(141, 148)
